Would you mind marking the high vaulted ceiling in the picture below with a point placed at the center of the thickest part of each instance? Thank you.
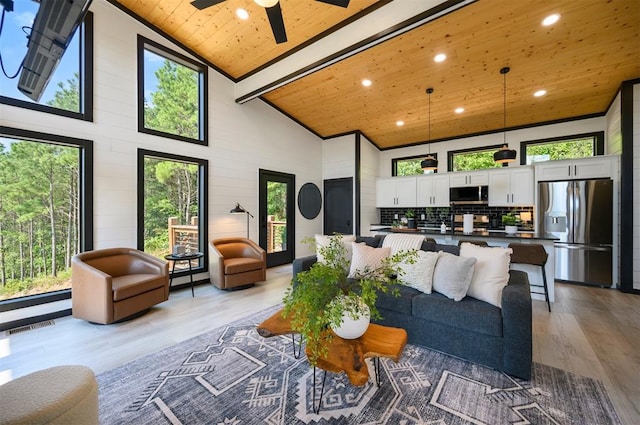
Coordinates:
(315, 77)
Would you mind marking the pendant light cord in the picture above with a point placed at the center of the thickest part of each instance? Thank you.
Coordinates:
(429, 91)
(504, 72)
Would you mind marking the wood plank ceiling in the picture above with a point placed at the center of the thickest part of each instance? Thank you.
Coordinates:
(581, 62)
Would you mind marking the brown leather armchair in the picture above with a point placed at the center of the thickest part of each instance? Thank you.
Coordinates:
(108, 285)
(236, 263)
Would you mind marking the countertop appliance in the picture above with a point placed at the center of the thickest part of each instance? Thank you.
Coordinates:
(469, 195)
(480, 223)
(580, 214)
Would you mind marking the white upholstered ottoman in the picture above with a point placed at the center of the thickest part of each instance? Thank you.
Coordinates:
(59, 395)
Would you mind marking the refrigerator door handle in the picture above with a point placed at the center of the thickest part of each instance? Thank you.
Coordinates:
(583, 247)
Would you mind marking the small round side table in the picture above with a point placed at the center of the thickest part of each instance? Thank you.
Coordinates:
(176, 258)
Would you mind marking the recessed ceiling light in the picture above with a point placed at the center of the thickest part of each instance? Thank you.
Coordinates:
(540, 93)
(459, 110)
(399, 123)
(366, 82)
(242, 14)
(551, 19)
(440, 57)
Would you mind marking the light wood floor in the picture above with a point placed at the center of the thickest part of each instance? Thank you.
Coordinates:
(592, 332)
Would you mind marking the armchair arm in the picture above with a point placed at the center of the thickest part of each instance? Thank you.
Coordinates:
(216, 266)
(149, 263)
(516, 325)
(254, 250)
(91, 293)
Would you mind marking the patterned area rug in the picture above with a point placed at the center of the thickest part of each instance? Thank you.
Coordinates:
(234, 376)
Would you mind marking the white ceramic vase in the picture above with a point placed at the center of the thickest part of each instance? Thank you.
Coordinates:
(354, 324)
(511, 230)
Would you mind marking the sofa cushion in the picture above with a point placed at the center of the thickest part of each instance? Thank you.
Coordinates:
(135, 284)
(402, 303)
(469, 314)
(452, 275)
(366, 259)
(491, 272)
(419, 275)
(241, 265)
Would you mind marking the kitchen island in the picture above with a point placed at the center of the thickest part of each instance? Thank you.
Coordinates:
(493, 238)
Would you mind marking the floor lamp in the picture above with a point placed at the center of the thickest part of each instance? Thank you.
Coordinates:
(240, 210)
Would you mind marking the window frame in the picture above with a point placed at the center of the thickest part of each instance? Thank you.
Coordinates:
(394, 162)
(451, 154)
(203, 90)
(85, 189)
(203, 202)
(598, 145)
(85, 32)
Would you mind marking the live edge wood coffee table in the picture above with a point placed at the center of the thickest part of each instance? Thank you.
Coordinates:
(346, 355)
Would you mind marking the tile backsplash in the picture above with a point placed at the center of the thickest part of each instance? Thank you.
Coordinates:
(434, 216)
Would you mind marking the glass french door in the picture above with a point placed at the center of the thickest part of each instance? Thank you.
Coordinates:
(277, 216)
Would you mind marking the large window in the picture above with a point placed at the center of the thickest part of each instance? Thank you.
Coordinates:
(172, 199)
(410, 165)
(45, 212)
(172, 89)
(473, 159)
(566, 147)
(69, 92)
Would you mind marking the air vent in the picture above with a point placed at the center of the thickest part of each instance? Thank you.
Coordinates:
(30, 327)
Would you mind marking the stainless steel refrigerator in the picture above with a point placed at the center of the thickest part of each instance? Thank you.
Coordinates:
(580, 214)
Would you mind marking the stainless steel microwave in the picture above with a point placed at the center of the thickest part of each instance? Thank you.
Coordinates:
(478, 195)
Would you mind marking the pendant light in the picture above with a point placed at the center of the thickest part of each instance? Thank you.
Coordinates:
(430, 162)
(504, 154)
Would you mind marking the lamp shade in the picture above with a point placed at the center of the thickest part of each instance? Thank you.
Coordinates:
(238, 210)
(266, 3)
(429, 163)
(504, 154)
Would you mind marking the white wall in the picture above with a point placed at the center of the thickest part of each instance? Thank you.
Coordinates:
(242, 139)
(369, 158)
(513, 138)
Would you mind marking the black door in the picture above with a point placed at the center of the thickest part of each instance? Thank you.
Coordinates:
(338, 206)
(277, 216)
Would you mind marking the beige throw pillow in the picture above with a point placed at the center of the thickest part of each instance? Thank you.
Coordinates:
(452, 275)
(419, 275)
(366, 258)
(325, 240)
(491, 272)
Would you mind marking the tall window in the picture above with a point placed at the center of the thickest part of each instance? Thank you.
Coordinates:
(172, 199)
(566, 147)
(45, 210)
(410, 165)
(171, 94)
(69, 92)
(473, 159)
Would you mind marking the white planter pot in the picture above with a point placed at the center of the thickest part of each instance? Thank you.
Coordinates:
(353, 325)
(511, 230)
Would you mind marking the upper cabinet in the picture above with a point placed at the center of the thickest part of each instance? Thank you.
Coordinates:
(396, 192)
(433, 191)
(511, 186)
(469, 178)
(585, 168)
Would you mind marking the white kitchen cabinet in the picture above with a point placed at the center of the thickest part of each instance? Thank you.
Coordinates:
(585, 168)
(511, 187)
(396, 192)
(469, 178)
(433, 191)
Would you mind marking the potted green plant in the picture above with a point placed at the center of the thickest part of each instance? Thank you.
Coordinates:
(411, 219)
(320, 298)
(510, 221)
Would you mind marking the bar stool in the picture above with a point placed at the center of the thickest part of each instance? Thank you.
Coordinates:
(535, 255)
(473, 241)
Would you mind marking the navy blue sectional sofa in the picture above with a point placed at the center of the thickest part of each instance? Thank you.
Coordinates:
(470, 329)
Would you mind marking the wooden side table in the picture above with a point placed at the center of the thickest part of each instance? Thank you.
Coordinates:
(183, 257)
(347, 355)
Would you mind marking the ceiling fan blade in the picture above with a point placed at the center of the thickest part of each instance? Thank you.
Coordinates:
(341, 3)
(274, 14)
(203, 4)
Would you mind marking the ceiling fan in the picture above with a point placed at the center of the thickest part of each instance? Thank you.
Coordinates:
(274, 13)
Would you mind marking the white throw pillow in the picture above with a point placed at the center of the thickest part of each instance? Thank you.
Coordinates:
(366, 258)
(419, 275)
(491, 272)
(452, 275)
(324, 241)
